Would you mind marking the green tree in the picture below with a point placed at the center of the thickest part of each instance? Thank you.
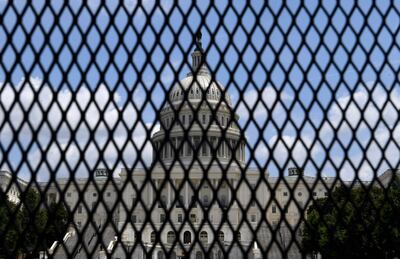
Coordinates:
(358, 222)
(29, 227)
(8, 233)
(58, 223)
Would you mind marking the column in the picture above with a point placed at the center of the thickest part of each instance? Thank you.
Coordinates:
(241, 151)
(229, 192)
(176, 148)
(169, 194)
(187, 194)
(152, 192)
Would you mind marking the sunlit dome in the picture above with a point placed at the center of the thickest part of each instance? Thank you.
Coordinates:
(199, 82)
(196, 86)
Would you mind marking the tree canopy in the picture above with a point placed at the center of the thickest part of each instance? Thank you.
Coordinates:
(30, 226)
(358, 222)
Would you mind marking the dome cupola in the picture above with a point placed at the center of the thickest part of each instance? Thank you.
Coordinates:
(198, 119)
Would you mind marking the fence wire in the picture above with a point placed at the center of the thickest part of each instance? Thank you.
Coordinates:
(166, 129)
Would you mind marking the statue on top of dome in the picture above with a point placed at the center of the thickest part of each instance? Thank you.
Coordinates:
(199, 45)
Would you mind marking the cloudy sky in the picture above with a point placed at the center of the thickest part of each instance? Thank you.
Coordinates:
(315, 86)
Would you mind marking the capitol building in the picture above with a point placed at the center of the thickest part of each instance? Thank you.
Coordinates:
(198, 200)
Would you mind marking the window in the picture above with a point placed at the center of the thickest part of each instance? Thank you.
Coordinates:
(133, 218)
(253, 218)
(180, 202)
(205, 200)
(162, 218)
(254, 189)
(183, 119)
(199, 255)
(224, 202)
(314, 193)
(108, 194)
(204, 237)
(189, 148)
(239, 236)
(160, 255)
(170, 237)
(204, 149)
(193, 218)
(196, 142)
(286, 208)
(187, 237)
(79, 224)
(80, 209)
(274, 209)
(153, 237)
(68, 194)
(181, 146)
(300, 194)
(193, 202)
(285, 193)
(221, 236)
(94, 194)
(180, 218)
(163, 201)
(204, 119)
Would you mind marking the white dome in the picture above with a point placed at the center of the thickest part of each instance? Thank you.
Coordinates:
(196, 87)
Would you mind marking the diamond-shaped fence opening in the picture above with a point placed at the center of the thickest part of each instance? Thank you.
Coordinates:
(164, 129)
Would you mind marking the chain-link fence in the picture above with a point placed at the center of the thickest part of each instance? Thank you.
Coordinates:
(164, 129)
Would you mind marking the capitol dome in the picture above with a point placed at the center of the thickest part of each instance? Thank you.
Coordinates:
(197, 121)
(196, 86)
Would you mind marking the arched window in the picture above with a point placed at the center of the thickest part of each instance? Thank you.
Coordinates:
(170, 237)
(221, 236)
(153, 237)
(204, 237)
(160, 255)
(199, 255)
(187, 237)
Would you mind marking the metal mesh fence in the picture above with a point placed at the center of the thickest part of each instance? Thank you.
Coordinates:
(165, 129)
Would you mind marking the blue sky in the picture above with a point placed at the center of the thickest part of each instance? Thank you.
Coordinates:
(314, 66)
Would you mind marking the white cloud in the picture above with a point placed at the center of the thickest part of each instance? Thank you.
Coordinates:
(271, 99)
(371, 110)
(88, 118)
